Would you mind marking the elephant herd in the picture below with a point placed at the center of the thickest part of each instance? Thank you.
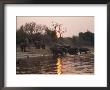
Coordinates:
(72, 51)
(37, 45)
(57, 50)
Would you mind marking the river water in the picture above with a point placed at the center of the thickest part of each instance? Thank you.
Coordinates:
(69, 64)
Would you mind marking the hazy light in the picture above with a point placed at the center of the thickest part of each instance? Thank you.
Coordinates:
(71, 24)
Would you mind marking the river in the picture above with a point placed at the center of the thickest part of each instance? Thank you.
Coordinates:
(69, 64)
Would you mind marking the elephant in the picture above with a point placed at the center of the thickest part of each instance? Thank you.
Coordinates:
(72, 51)
(56, 51)
(37, 44)
(85, 50)
(23, 46)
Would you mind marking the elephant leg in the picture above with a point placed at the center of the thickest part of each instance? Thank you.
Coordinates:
(85, 52)
(21, 49)
(24, 49)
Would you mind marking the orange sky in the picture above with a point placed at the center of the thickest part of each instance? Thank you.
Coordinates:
(72, 24)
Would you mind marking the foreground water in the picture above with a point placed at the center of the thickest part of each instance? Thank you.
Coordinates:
(69, 64)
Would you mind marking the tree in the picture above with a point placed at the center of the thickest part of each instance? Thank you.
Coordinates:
(34, 31)
(21, 36)
(52, 36)
(58, 29)
(29, 28)
(86, 38)
(75, 40)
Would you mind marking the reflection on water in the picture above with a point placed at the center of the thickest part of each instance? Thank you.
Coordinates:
(59, 65)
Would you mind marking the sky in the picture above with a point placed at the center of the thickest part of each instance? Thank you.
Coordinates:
(72, 25)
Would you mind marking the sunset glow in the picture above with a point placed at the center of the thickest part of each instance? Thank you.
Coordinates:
(71, 24)
(59, 66)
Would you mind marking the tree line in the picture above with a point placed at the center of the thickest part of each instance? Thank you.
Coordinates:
(31, 32)
(84, 38)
